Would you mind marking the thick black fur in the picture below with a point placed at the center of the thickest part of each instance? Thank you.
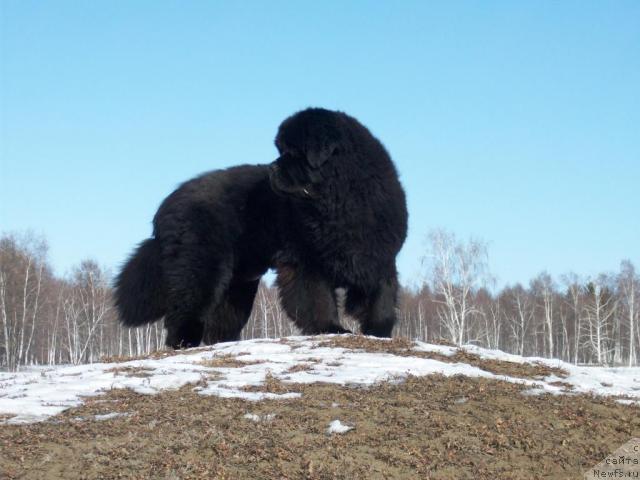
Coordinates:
(213, 238)
(328, 213)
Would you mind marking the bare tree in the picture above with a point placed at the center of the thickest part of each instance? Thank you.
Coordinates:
(575, 293)
(600, 308)
(267, 319)
(490, 311)
(543, 288)
(22, 270)
(457, 270)
(85, 308)
(416, 314)
(521, 313)
(629, 286)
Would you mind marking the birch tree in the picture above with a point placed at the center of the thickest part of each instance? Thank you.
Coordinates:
(456, 269)
(491, 315)
(520, 317)
(23, 270)
(85, 308)
(574, 297)
(543, 287)
(600, 308)
(629, 286)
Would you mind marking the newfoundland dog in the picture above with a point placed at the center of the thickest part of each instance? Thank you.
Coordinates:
(328, 213)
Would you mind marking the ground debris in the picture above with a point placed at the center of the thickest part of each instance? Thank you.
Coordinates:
(415, 429)
(433, 426)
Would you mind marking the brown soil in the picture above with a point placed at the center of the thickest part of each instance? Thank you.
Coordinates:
(226, 361)
(157, 355)
(428, 428)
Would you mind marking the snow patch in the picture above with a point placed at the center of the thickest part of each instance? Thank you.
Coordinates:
(39, 393)
(257, 418)
(109, 416)
(338, 427)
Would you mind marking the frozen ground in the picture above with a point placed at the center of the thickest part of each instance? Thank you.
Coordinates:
(229, 369)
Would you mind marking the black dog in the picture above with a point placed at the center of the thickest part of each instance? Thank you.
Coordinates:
(329, 213)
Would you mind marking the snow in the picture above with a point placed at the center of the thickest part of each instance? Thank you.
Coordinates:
(108, 416)
(257, 418)
(39, 393)
(338, 427)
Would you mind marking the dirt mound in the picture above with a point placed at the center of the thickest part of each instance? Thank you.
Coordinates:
(434, 427)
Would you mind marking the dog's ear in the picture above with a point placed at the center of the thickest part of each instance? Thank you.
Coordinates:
(318, 155)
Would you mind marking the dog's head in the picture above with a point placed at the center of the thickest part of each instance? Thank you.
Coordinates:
(308, 142)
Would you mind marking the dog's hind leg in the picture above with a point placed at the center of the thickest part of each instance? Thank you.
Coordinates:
(223, 320)
(182, 333)
(189, 276)
(182, 320)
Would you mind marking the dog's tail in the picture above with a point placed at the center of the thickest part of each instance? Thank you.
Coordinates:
(139, 288)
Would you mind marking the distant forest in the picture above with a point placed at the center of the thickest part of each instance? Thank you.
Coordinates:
(47, 319)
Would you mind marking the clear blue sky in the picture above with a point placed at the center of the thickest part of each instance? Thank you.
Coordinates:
(517, 122)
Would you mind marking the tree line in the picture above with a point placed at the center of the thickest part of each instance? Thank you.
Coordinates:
(47, 319)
